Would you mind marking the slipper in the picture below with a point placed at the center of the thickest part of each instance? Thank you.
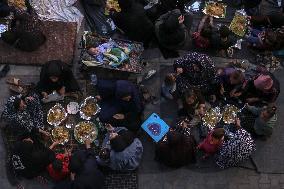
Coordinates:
(13, 81)
(17, 89)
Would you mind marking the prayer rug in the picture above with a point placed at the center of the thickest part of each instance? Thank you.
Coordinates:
(60, 45)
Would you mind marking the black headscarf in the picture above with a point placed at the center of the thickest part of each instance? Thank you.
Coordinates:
(54, 68)
(122, 141)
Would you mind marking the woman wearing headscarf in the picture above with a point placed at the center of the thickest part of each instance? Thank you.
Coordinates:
(120, 103)
(194, 70)
(121, 150)
(265, 88)
(237, 147)
(177, 149)
(25, 33)
(55, 75)
(24, 113)
(29, 159)
(173, 30)
(133, 21)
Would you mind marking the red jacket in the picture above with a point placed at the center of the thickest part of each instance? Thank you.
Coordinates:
(57, 176)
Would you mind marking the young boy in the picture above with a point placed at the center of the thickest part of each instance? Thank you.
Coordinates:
(212, 142)
(59, 168)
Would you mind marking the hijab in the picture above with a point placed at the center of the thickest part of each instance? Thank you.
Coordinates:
(54, 68)
(124, 139)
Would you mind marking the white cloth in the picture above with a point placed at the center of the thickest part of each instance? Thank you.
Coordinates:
(58, 10)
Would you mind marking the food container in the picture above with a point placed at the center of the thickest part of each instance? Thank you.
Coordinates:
(73, 108)
(60, 134)
(85, 130)
(215, 9)
(56, 115)
(230, 113)
(239, 23)
(89, 108)
(212, 117)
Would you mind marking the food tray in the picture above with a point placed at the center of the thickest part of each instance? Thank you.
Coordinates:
(89, 108)
(230, 113)
(85, 130)
(212, 117)
(56, 115)
(239, 23)
(215, 9)
(60, 134)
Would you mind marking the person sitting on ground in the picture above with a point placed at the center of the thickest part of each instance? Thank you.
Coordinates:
(237, 147)
(169, 86)
(173, 30)
(223, 40)
(29, 158)
(134, 22)
(212, 142)
(176, 149)
(194, 70)
(192, 102)
(55, 75)
(231, 82)
(120, 102)
(264, 122)
(202, 37)
(84, 171)
(121, 150)
(272, 21)
(59, 169)
(25, 33)
(265, 88)
(24, 114)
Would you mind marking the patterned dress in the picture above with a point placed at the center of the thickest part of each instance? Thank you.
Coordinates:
(237, 148)
(198, 71)
(30, 118)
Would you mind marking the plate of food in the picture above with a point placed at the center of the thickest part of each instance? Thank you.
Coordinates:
(230, 113)
(239, 24)
(215, 9)
(73, 108)
(85, 130)
(112, 5)
(60, 134)
(212, 117)
(89, 108)
(56, 115)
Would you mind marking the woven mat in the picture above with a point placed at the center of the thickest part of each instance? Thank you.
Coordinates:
(60, 44)
(115, 180)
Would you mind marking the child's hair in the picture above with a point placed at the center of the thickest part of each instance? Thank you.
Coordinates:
(271, 110)
(224, 31)
(57, 165)
(206, 32)
(169, 79)
(238, 76)
(218, 133)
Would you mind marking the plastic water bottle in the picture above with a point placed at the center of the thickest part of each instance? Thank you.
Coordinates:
(94, 79)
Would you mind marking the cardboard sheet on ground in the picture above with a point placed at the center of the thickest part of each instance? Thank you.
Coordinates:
(155, 127)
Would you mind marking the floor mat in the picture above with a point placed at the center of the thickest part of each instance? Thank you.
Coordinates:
(60, 45)
(115, 180)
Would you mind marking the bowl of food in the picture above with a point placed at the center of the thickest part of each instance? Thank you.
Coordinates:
(73, 108)
(215, 9)
(85, 130)
(60, 134)
(56, 115)
(230, 113)
(212, 117)
(89, 108)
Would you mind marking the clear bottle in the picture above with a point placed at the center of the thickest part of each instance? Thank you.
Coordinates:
(94, 79)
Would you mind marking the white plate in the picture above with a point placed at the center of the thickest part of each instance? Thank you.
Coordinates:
(73, 108)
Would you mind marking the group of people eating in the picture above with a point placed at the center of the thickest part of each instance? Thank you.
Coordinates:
(196, 85)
